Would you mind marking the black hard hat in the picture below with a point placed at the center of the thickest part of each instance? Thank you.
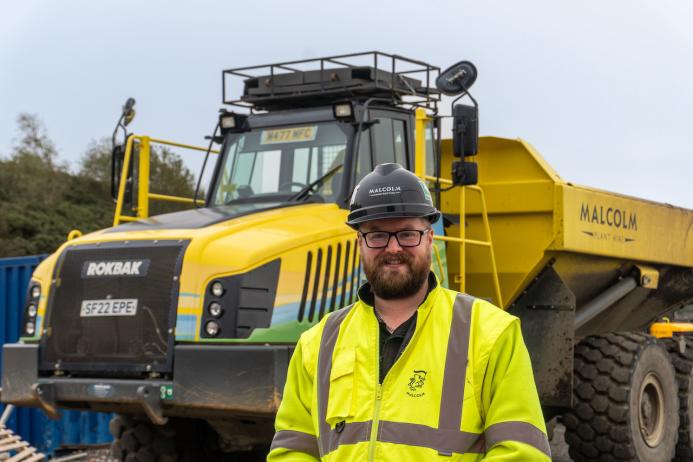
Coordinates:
(390, 191)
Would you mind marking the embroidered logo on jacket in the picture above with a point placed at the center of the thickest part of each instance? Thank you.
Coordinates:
(416, 383)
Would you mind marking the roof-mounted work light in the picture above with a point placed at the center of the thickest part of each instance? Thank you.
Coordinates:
(231, 122)
(343, 111)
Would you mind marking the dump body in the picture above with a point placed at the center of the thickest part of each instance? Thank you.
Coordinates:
(572, 261)
(590, 237)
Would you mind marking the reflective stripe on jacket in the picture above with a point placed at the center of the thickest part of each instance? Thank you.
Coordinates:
(462, 390)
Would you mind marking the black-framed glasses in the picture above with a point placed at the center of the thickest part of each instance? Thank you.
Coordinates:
(405, 238)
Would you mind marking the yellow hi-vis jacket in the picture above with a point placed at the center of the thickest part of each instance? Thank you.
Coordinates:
(462, 389)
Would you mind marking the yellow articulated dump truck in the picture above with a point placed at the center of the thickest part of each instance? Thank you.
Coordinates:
(183, 323)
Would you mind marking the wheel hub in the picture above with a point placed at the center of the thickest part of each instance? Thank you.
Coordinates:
(651, 410)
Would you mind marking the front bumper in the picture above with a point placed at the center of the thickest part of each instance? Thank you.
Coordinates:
(208, 381)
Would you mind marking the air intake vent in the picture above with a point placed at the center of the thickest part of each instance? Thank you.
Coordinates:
(331, 280)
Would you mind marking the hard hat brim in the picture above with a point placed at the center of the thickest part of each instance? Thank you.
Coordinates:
(382, 212)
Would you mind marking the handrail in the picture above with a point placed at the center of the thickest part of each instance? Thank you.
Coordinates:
(462, 240)
(123, 182)
(143, 193)
(178, 199)
(181, 145)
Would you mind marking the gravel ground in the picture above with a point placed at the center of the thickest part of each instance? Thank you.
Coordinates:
(83, 455)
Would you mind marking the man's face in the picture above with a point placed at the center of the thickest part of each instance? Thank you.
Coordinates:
(394, 271)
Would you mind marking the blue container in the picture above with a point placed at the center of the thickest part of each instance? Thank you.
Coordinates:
(75, 428)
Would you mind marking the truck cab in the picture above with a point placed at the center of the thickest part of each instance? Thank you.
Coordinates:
(276, 156)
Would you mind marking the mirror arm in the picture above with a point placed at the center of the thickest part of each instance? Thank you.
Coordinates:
(212, 139)
(438, 154)
(363, 119)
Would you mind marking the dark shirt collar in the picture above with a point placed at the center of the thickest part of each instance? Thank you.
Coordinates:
(400, 331)
(366, 293)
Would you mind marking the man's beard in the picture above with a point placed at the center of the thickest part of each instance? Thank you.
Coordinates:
(393, 285)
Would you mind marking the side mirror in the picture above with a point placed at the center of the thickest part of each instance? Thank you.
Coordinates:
(457, 79)
(128, 111)
(465, 130)
(465, 173)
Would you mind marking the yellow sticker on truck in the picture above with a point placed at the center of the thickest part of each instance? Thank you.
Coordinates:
(289, 135)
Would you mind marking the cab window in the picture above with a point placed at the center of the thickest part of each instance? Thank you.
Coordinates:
(364, 163)
(384, 141)
(430, 149)
(389, 141)
(274, 163)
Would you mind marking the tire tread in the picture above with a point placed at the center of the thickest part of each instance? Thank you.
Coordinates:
(598, 427)
(137, 440)
(683, 365)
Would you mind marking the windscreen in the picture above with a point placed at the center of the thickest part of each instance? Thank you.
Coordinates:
(277, 163)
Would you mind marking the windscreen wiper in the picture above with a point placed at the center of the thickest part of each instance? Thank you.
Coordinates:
(303, 193)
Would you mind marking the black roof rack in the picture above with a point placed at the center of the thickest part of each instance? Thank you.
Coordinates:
(320, 81)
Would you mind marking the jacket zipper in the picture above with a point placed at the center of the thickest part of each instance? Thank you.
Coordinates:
(374, 424)
(378, 400)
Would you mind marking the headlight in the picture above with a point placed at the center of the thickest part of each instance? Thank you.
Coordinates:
(217, 289)
(212, 328)
(30, 328)
(215, 309)
(35, 292)
(31, 310)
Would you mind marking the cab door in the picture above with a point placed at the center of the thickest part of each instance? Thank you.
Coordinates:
(388, 138)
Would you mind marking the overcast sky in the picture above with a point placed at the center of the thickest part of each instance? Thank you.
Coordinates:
(603, 89)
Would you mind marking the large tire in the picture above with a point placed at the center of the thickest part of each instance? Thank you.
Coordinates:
(137, 440)
(626, 401)
(683, 364)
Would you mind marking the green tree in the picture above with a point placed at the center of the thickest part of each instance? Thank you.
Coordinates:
(33, 158)
(33, 183)
(41, 201)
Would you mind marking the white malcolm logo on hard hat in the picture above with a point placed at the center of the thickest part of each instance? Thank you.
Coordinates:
(384, 190)
(115, 268)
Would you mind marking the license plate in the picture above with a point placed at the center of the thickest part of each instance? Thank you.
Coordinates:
(109, 307)
(289, 135)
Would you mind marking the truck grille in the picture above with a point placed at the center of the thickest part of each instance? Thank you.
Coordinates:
(84, 333)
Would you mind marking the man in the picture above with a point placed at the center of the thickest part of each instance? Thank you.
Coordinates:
(412, 371)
